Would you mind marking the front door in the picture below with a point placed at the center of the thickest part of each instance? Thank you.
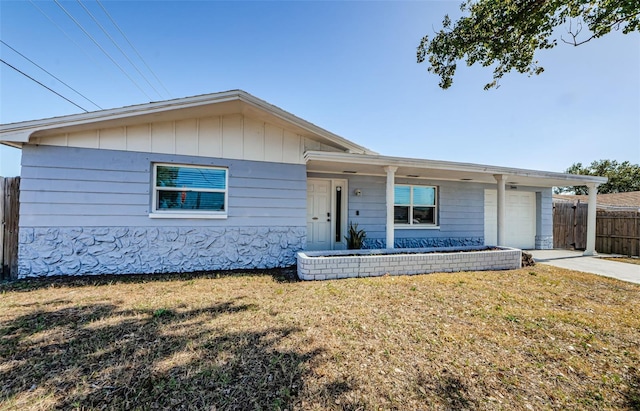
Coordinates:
(318, 214)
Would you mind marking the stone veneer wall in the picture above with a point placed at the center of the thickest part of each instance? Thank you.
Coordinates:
(329, 265)
(140, 250)
(380, 243)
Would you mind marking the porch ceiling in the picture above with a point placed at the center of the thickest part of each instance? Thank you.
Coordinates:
(359, 164)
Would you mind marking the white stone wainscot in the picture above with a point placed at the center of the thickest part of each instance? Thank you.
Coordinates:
(329, 265)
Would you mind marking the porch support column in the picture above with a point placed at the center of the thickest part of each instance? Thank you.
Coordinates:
(391, 172)
(591, 220)
(501, 179)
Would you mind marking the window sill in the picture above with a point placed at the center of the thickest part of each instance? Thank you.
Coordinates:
(416, 227)
(189, 215)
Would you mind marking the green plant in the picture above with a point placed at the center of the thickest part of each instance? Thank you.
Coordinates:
(356, 237)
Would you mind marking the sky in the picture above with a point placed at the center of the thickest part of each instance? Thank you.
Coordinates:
(348, 67)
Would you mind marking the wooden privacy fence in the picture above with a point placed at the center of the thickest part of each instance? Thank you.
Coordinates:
(9, 214)
(617, 232)
(570, 226)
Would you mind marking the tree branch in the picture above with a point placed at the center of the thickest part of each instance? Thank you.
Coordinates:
(605, 30)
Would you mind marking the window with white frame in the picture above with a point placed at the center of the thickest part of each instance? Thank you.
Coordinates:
(180, 190)
(415, 205)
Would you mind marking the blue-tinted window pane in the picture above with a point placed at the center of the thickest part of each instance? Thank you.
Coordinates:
(424, 196)
(402, 194)
(190, 200)
(170, 176)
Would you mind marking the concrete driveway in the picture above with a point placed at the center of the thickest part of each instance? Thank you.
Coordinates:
(574, 260)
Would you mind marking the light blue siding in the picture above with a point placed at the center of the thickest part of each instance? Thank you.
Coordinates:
(68, 187)
(371, 205)
(460, 211)
(86, 211)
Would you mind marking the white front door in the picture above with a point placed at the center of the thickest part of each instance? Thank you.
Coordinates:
(318, 214)
(520, 216)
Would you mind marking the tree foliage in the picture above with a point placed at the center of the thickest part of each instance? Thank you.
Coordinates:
(623, 177)
(507, 33)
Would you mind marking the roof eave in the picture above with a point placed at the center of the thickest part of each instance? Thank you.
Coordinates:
(570, 179)
(19, 133)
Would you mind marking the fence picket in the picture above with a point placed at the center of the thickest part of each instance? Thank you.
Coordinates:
(9, 216)
(617, 232)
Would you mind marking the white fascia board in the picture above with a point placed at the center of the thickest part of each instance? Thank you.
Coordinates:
(19, 133)
(571, 179)
(312, 128)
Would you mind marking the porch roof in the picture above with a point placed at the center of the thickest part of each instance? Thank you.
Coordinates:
(367, 164)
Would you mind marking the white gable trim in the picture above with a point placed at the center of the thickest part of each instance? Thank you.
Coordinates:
(228, 102)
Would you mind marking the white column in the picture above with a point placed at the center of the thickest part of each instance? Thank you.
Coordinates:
(391, 172)
(591, 220)
(501, 179)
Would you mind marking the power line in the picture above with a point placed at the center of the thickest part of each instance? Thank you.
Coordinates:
(68, 36)
(118, 47)
(51, 90)
(43, 69)
(102, 49)
(132, 46)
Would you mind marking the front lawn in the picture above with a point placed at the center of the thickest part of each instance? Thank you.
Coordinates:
(535, 338)
(628, 260)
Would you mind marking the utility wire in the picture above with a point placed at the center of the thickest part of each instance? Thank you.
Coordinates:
(51, 90)
(68, 36)
(118, 47)
(132, 46)
(103, 50)
(43, 69)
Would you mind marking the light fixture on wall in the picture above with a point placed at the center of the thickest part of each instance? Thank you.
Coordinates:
(357, 192)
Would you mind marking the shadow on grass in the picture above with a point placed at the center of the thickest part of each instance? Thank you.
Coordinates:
(286, 274)
(633, 391)
(97, 356)
(449, 388)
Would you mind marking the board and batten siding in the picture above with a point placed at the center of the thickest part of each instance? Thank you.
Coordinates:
(64, 186)
(231, 136)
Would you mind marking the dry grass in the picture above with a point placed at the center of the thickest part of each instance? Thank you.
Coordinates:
(536, 338)
(628, 260)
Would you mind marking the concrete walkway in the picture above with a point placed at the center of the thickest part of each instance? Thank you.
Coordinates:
(574, 260)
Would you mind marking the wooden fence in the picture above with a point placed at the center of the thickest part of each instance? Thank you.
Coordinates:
(617, 232)
(9, 214)
(570, 226)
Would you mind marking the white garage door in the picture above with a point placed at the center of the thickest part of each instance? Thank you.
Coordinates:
(520, 230)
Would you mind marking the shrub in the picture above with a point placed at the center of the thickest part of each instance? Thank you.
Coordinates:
(356, 237)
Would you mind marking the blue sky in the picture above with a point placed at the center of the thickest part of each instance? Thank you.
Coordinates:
(349, 67)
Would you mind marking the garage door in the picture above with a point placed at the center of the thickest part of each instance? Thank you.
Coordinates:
(520, 230)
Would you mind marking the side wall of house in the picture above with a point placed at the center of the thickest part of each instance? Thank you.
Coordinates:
(86, 211)
(460, 213)
(461, 208)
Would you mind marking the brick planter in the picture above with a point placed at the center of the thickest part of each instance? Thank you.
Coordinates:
(328, 265)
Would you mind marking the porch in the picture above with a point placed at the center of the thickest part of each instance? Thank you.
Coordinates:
(368, 187)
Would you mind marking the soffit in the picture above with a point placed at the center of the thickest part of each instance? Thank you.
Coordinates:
(352, 164)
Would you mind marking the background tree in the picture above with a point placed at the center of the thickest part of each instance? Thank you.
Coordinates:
(507, 33)
(623, 177)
